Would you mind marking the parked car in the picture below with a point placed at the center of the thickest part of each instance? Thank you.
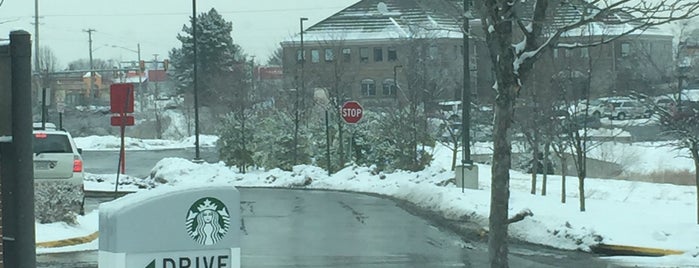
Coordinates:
(58, 164)
(598, 108)
(577, 121)
(450, 110)
(624, 109)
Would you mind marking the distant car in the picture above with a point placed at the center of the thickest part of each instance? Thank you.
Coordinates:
(450, 110)
(665, 103)
(625, 109)
(598, 108)
(58, 163)
(576, 121)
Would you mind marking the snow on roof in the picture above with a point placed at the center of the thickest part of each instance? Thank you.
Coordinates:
(601, 29)
(372, 19)
(392, 19)
(87, 75)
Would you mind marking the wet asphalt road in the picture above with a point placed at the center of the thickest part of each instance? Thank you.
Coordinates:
(298, 228)
(139, 163)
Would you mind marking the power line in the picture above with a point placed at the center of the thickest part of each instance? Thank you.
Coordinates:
(185, 13)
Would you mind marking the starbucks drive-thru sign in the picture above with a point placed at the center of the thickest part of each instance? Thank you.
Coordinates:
(173, 228)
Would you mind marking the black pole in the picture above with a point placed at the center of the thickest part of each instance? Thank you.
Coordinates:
(18, 234)
(327, 141)
(43, 108)
(299, 92)
(60, 120)
(466, 94)
(196, 89)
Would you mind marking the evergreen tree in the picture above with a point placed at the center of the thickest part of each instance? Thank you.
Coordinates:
(221, 69)
(273, 143)
(234, 139)
(388, 142)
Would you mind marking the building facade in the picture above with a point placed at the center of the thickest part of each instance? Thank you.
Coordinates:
(385, 53)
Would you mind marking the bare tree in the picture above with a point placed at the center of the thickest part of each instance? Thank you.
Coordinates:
(336, 83)
(48, 60)
(516, 40)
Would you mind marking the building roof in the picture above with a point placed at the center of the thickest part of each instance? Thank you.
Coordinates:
(393, 19)
(387, 19)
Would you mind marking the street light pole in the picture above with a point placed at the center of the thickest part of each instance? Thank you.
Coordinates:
(466, 92)
(196, 90)
(303, 90)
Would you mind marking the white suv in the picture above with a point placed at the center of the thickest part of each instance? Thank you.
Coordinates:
(625, 109)
(58, 168)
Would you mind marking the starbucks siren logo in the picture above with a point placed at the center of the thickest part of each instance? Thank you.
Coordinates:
(207, 221)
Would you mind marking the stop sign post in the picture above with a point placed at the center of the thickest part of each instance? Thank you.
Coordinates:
(351, 112)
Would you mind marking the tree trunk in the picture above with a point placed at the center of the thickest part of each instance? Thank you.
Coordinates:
(546, 168)
(695, 155)
(454, 154)
(564, 169)
(500, 192)
(534, 166)
(581, 190)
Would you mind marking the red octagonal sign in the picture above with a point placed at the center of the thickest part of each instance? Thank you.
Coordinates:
(351, 112)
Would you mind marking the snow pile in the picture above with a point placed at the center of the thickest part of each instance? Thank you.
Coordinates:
(87, 225)
(618, 212)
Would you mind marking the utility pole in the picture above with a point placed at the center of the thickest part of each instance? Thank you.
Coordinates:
(140, 75)
(158, 116)
(92, 68)
(37, 70)
(196, 90)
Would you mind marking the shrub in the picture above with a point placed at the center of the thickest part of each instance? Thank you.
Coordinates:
(54, 202)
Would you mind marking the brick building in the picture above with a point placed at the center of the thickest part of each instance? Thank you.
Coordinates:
(381, 52)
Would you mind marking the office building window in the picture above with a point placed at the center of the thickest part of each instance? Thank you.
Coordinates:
(299, 57)
(364, 54)
(389, 87)
(368, 87)
(625, 49)
(378, 54)
(315, 56)
(346, 55)
(329, 55)
(392, 54)
(433, 52)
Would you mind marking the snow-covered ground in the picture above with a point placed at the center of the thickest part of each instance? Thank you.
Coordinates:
(618, 212)
(100, 143)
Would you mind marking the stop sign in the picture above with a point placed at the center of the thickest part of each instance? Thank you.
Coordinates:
(351, 112)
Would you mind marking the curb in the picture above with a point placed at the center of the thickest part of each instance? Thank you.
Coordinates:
(621, 250)
(68, 242)
(99, 194)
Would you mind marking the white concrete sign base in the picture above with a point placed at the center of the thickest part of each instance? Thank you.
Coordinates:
(183, 259)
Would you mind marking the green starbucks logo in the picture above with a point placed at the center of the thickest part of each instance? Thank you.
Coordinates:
(207, 221)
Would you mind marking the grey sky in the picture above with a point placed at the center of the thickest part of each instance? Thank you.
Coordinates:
(258, 25)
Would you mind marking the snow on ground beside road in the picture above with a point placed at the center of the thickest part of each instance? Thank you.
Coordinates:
(87, 225)
(618, 212)
(101, 143)
(644, 157)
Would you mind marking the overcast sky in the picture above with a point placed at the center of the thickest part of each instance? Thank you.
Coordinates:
(258, 25)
